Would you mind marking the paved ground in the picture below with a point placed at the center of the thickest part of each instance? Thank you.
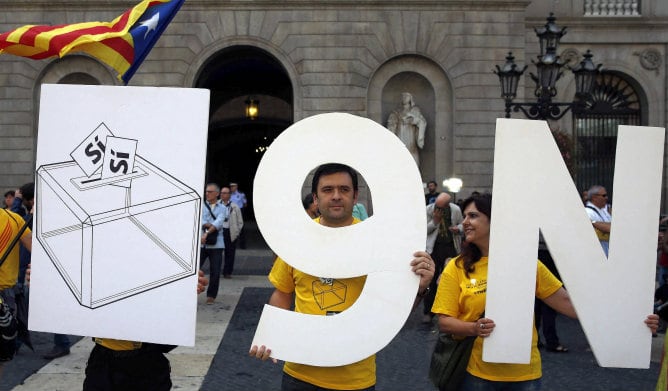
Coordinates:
(219, 360)
(404, 363)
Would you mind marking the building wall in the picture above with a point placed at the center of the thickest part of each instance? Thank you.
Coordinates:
(632, 45)
(349, 56)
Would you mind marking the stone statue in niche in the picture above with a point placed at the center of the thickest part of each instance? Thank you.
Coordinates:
(409, 125)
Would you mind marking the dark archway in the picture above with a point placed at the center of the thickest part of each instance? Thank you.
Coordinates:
(236, 143)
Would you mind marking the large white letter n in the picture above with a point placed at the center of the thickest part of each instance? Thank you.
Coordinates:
(532, 191)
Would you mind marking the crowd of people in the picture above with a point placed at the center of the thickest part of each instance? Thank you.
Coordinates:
(452, 285)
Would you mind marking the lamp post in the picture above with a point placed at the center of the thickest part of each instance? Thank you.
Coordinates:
(454, 185)
(548, 71)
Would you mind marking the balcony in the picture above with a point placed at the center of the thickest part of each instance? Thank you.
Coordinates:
(614, 8)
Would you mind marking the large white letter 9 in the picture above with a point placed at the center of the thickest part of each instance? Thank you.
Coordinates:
(380, 247)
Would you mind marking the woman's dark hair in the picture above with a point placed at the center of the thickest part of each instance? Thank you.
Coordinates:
(470, 252)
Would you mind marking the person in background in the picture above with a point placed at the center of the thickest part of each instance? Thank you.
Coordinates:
(359, 212)
(431, 195)
(232, 226)
(9, 199)
(443, 241)
(544, 315)
(662, 254)
(310, 206)
(460, 304)
(25, 201)
(10, 226)
(599, 213)
(213, 215)
(335, 190)
(239, 198)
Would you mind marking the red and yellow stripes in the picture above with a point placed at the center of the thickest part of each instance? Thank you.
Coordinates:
(109, 42)
(5, 236)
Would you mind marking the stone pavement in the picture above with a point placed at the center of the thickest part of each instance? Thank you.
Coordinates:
(225, 329)
(404, 363)
(189, 364)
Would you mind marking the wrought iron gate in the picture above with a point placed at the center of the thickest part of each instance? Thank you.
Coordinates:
(614, 102)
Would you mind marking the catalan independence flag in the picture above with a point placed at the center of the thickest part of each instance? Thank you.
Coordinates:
(122, 43)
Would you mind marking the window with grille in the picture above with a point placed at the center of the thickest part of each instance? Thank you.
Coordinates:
(614, 101)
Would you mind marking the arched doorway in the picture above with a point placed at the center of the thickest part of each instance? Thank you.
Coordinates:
(236, 143)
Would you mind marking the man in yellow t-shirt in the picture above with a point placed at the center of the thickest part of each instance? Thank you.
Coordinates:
(334, 189)
(10, 226)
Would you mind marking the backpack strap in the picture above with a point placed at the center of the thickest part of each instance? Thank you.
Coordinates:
(16, 238)
(594, 209)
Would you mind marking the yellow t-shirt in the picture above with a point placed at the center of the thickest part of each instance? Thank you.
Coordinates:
(10, 225)
(118, 344)
(324, 296)
(464, 298)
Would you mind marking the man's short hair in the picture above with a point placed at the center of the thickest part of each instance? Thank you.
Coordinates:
(10, 193)
(332, 168)
(28, 191)
(434, 182)
(213, 184)
(593, 191)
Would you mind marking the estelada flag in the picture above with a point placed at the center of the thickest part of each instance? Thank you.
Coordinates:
(122, 43)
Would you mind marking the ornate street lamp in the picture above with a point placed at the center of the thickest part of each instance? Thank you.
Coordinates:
(548, 71)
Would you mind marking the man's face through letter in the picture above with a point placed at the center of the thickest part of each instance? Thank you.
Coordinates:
(335, 198)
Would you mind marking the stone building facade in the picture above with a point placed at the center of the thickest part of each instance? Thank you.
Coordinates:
(300, 58)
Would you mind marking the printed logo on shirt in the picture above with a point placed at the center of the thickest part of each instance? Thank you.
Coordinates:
(477, 286)
(328, 293)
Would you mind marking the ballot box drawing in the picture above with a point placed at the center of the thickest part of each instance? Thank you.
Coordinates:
(110, 241)
(329, 293)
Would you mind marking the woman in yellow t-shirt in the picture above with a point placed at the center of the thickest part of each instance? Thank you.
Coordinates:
(460, 302)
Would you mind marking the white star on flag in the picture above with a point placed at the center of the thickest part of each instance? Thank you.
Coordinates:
(151, 24)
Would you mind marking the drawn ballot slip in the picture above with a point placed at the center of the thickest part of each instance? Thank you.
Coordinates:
(119, 159)
(89, 154)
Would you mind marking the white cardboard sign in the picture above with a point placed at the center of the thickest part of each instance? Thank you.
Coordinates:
(117, 212)
(532, 191)
(380, 247)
